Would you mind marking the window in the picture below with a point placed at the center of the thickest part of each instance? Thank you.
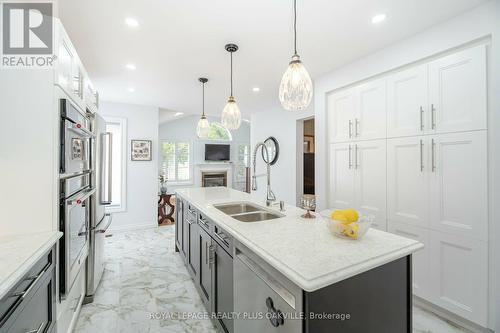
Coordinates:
(219, 132)
(243, 160)
(175, 161)
(117, 128)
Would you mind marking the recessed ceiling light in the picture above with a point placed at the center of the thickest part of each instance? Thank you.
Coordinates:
(130, 66)
(177, 114)
(255, 89)
(131, 90)
(379, 18)
(131, 22)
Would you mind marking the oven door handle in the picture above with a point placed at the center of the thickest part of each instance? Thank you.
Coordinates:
(80, 198)
(80, 130)
(103, 230)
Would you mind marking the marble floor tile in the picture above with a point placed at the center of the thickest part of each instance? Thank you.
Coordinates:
(145, 281)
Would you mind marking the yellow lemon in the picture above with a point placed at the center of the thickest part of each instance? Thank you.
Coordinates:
(351, 215)
(352, 230)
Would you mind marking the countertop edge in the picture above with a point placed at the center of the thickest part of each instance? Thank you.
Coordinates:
(24, 267)
(328, 278)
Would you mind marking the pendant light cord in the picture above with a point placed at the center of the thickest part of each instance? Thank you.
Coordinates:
(295, 26)
(231, 73)
(203, 102)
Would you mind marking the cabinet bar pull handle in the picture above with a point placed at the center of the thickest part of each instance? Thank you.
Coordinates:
(421, 118)
(350, 128)
(206, 253)
(356, 127)
(432, 156)
(433, 117)
(350, 153)
(421, 155)
(356, 164)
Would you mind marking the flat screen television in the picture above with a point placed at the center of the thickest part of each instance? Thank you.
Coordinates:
(217, 152)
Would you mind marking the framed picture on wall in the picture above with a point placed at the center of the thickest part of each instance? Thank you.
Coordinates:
(141, 150)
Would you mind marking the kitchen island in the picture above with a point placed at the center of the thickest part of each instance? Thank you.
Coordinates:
(290, 271)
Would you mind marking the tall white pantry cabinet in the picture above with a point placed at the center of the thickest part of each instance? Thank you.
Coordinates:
(410, 148)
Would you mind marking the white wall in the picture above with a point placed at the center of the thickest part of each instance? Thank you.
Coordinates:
(141, 176)
(481, 22)
(184, 129)
(283, 126)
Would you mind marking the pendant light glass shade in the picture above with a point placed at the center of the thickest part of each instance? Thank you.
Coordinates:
(296, 89)
(203, 128)
(231, 115)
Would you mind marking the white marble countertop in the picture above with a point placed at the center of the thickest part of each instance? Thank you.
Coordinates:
(19, 253)
(303, 250)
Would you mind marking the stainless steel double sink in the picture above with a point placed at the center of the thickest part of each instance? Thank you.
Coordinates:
(247, 212)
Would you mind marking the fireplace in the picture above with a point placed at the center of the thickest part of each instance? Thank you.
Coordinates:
(213, 178)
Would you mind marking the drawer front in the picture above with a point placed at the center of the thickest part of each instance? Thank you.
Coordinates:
(223, 239)
(38, 315)
(30, 305)
(205, 223)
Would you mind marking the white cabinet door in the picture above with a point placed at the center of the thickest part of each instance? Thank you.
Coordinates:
(407, 102)
(459, 185)
(340, 112)
(420, 259)
(370, 117)
(458, 91)
(459, 271)
(341, 176)
(64, 66)
(407, 181)
(370, 180)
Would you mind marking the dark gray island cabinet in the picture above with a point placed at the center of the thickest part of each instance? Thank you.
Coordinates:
(244, 293)
(29, 306)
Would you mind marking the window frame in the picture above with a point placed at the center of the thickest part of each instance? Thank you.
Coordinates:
(218, 139)
(190, 163)
(122, 207)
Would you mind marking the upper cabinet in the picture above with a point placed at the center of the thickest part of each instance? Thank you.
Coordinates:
(407, 102)
(370, 114)
(341, 113)
(457, 91)
(70, 74)
(443, 96)
(358, 113)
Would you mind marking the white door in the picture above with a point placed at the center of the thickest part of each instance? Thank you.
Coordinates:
(407, 180)
(340, 113)
(420, 259)
(459, 271)
(458, 91)
(370, 117)
(407, 102)
(341, 176)
(459, 185)
(370, 180)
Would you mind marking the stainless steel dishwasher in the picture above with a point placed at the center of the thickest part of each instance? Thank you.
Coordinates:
(264, 300)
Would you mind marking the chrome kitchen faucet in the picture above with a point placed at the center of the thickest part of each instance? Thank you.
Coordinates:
(270, 197)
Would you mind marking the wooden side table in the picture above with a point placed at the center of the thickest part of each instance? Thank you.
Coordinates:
(166, 215)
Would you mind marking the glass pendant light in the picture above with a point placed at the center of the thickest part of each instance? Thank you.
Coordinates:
(231, 115)
(296, 89)
(203, 127)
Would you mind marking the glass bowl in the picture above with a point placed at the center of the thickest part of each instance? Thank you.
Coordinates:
(353, 230)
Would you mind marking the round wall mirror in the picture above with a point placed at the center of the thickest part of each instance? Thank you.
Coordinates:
(273, 149)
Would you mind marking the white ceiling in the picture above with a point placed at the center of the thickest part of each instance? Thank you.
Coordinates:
(178, 41)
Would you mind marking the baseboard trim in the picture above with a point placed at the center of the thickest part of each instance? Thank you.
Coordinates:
(132, 227)
(449, 316)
